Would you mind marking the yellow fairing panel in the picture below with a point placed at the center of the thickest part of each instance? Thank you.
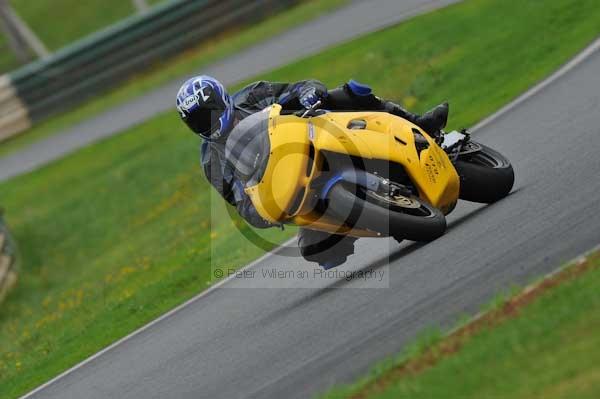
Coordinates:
(382, 136)
(391, 138)
(286, 169)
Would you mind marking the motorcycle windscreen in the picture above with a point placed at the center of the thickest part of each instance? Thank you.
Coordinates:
(248, 147)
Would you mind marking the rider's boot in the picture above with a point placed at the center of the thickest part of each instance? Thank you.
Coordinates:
(326, 249)
(432, 121)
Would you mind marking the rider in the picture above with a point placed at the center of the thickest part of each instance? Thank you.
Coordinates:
(210, 112)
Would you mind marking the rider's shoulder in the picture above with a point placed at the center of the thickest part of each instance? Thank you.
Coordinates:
(256, 88)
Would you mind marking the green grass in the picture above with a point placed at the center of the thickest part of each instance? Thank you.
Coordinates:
(119, 232)
(59, 22)
(550, 350)
(112, 237)
(478, 55)
(189, 62)
(8, 60)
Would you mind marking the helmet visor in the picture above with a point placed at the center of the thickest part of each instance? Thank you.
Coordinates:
(204, 121)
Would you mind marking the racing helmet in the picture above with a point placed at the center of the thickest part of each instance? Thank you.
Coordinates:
(205, 106)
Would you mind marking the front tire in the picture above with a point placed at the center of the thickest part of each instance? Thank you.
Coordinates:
(400, 217)
(486, 176)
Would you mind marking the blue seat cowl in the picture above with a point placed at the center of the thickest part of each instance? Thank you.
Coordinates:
(359, 89)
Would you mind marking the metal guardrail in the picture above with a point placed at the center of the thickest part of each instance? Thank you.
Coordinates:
(100, 61)
(8, 260)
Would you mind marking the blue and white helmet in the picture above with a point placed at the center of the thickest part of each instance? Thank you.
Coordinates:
(205, 106)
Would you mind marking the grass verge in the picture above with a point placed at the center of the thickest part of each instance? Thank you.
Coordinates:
(540, 343)
(120, 232)
(46, 20)
(8, 60)
(188, 62)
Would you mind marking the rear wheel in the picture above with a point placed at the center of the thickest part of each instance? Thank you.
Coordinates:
(486, 176)
(391, 214)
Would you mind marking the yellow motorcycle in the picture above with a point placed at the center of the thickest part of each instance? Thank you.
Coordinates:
(363, 174)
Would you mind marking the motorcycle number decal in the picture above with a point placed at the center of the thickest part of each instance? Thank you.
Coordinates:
(431, 167)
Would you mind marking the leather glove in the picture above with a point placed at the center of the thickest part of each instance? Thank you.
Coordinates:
(309, 97)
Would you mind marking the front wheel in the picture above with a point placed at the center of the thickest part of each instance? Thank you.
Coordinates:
(486, 176)
(399, 216)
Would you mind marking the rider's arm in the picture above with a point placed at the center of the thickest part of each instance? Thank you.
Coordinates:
(233, 191)
(245, 207)
(259, 95)
(215, 176)
(288, 94)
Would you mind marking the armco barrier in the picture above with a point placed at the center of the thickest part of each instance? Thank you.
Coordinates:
(14, 117)
(102, 60)
(8, 260)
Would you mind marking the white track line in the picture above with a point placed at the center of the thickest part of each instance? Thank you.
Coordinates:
(589, 50)
(155, 321)
(531, 92)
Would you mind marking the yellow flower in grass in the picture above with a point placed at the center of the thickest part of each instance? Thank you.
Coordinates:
(126, 271)
(47, 319)
(47, 301)
(127, 293)
(409, 101)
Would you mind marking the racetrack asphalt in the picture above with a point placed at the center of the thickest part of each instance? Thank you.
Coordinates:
(291, 342)
(349, 22)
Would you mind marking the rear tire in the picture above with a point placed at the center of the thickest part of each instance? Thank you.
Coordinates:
(416, 220)
(486, 176)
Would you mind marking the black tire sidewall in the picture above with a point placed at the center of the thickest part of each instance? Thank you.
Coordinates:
(363, 214)
(485, 184)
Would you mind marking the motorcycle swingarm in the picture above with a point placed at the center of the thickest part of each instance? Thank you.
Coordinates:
(324, 183)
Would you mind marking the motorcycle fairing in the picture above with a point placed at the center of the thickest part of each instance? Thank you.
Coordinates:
(297, 155)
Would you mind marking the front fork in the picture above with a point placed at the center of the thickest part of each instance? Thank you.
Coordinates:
(455, 143)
